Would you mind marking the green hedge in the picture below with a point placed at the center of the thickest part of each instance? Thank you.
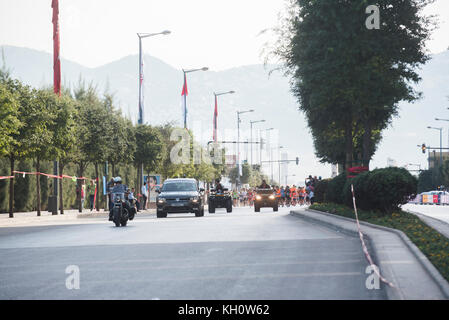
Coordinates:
(334, 189)
(320, 192)
(383, 190)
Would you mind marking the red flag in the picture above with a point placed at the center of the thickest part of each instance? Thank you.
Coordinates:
(56, 60)
(184, 87)
(184, 94)
(215, 120)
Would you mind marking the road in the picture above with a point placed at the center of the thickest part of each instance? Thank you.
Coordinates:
(241, 255)
(433, 211)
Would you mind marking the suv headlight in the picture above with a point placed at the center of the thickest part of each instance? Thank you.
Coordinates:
(258, 197)
(161, 200)
(194, 199)
(271, 197)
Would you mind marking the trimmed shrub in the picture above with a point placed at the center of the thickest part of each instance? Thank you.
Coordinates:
(360, 191)
(381, 189)
(334, 189)
(320, 193)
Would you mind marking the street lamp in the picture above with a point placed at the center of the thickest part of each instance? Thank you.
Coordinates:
(441, 142)
(141, 95)
(238, 143)
(260, 147)
(437, 119)
(214, 134)
(279, 163)
(252, 122)
(184, 91)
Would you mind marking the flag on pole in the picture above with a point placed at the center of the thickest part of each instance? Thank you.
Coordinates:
(184, 101)
(56, 60)
(215, 120)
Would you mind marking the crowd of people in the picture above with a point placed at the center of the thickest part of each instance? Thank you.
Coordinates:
(287, 196)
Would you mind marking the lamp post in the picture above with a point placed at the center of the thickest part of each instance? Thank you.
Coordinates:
(252, 122)
(271, 162)
(280, 147)
(216, 95)
(238, 143)
(184, 91)
(141, 95)
(437, 119)
(260, 149)
(441, 142)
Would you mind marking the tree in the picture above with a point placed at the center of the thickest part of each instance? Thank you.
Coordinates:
(63, 139)
(245, 178)
(431, 179)
(41, 114)
(97, 136)
(20, 145)
(9, 121)
(348, 79)
(90, 125)
(445, 173)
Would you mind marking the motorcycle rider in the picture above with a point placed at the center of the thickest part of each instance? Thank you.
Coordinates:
(119, 189)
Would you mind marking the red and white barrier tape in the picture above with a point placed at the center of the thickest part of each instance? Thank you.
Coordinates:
(55, 176)
(6, 177)
(365, 249)
(50, 175)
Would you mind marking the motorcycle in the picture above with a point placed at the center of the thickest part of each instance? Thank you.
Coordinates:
(122, 210)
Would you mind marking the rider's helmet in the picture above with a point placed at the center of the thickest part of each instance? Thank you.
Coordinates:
(118, 180)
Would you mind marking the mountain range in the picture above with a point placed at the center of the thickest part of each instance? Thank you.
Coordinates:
(255, 88)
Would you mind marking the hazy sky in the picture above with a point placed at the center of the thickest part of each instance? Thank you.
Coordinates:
(219, 34)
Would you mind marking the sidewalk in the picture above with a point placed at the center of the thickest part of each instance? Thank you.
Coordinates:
(22, 219)
(436, 217)
(398, 259)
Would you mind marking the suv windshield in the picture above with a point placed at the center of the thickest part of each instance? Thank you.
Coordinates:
(179, 186)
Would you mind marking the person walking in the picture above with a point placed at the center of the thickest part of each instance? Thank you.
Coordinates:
(144, 196)
(83, 195)
(311, 196)
(235, 197)
(91, 193)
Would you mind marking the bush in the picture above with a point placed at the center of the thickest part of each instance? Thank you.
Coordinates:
(320, 193)
(381, 189)
(360, 191)
(334, 189)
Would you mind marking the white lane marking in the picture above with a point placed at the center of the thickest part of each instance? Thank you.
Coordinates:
(123, 261)
(197, 266)
(200, 278)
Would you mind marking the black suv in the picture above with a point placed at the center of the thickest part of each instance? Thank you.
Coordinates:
(179, 196)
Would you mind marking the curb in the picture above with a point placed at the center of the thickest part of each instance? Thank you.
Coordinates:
(425, 263)
(392, 295)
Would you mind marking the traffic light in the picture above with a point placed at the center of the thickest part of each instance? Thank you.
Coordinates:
(297, 160)
(423, 148)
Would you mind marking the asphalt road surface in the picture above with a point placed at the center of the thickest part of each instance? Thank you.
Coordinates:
(239, 255)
